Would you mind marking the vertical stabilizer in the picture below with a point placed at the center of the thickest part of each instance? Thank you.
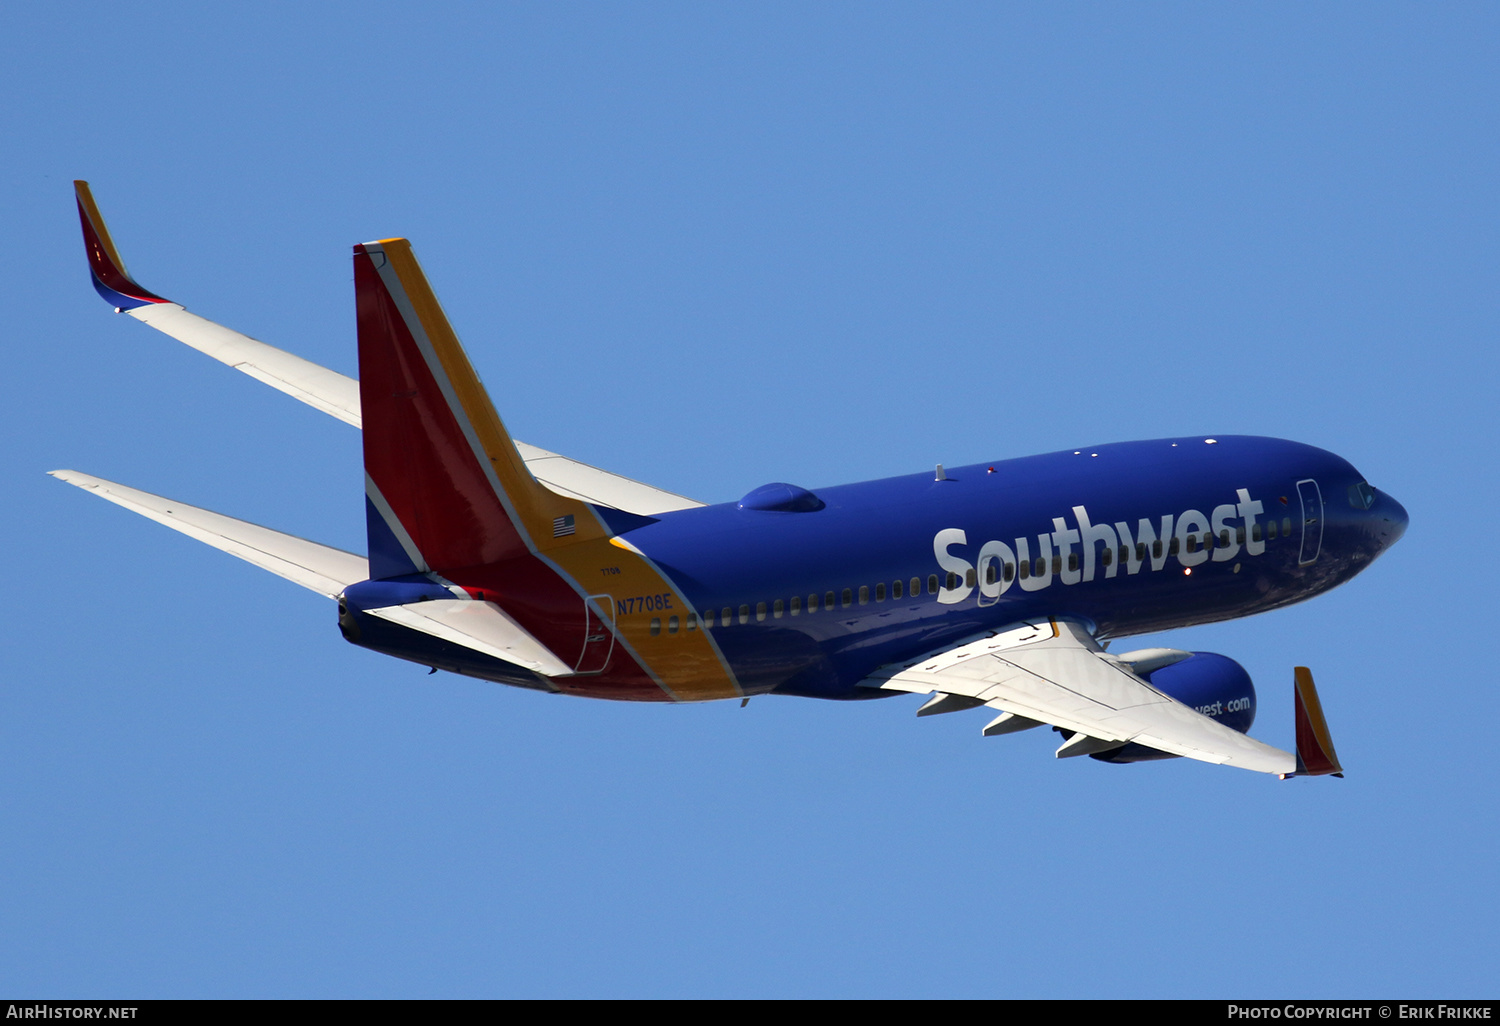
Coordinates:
(446, 488)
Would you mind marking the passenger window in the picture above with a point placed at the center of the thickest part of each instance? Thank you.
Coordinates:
(989, 572)
(692, 621)
(1140, 551)
(1025, 570)
(880, 592)
(1270, 530)
(1072, 561)
(932, 584)
(744, 614)
(864, 594)
(777, 609)
(828, 600)
(1057, 564)
(1286, 527)
(1156, 549)
(896, 589)
(760, 611)
(1173, 549)
(727, 617)
(848, 598)
(970, 577)
(952, 580)
(708, 618)
(1239, 535)
(1010, 571)
(1192, 543)
(655, 626)
(1107, 556)
(796, 605)
(671, 625)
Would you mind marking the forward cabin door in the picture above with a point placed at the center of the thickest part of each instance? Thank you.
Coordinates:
(1312, 520)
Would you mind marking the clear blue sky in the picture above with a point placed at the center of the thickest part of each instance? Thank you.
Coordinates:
(711, 246)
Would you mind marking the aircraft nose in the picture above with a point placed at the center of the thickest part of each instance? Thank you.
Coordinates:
(1390, 519)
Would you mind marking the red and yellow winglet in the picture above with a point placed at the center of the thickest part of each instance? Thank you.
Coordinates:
(110, 277)
(1315, 754)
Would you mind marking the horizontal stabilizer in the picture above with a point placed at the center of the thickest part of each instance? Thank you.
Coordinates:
(480, 626)
(321, 568)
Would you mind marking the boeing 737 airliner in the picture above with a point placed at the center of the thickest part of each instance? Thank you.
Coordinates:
(992, 585)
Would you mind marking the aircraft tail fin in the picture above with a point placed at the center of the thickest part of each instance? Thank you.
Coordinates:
(1315, 754)
(445, 486)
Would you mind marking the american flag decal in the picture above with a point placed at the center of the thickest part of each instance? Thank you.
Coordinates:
(562, 526)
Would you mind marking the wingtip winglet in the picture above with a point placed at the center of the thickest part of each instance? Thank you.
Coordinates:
(1315, 754)
(111, 280)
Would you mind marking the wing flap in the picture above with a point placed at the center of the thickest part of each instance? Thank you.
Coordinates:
(321, 568)
(1056, 673)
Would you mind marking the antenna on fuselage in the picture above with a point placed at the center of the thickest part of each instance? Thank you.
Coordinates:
(941, 474)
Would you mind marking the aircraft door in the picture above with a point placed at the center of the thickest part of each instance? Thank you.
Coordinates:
(598, 635)
(1312, 520)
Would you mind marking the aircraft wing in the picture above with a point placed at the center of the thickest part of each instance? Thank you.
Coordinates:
(327, 390)
(1054, 672)
(322, 568)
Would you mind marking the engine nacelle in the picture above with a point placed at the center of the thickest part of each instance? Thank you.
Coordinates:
(1214, 685)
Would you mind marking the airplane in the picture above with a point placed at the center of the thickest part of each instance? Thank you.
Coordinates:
(997, 585)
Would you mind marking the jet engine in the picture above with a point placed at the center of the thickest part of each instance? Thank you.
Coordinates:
(1206, 682)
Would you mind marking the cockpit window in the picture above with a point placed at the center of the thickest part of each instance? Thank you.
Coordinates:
(1361, 496)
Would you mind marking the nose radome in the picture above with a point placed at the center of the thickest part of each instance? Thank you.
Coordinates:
(1391, 518)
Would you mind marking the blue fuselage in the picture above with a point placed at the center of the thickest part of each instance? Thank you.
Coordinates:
(806, 593)
(1131, 537)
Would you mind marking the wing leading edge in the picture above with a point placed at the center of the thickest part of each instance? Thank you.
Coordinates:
(321, 388)
(1055, 672)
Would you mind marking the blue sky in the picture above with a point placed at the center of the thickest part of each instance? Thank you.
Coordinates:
(711, 246)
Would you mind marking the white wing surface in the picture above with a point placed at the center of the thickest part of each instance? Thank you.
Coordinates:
(481, 626)
(338, 394)
(322, 568)
(319, 387)
(1055, 672)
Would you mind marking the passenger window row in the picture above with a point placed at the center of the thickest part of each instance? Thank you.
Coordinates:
(827, 601)
(995, 571)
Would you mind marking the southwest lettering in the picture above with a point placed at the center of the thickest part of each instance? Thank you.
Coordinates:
(1092, 535)
(1196, 538)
